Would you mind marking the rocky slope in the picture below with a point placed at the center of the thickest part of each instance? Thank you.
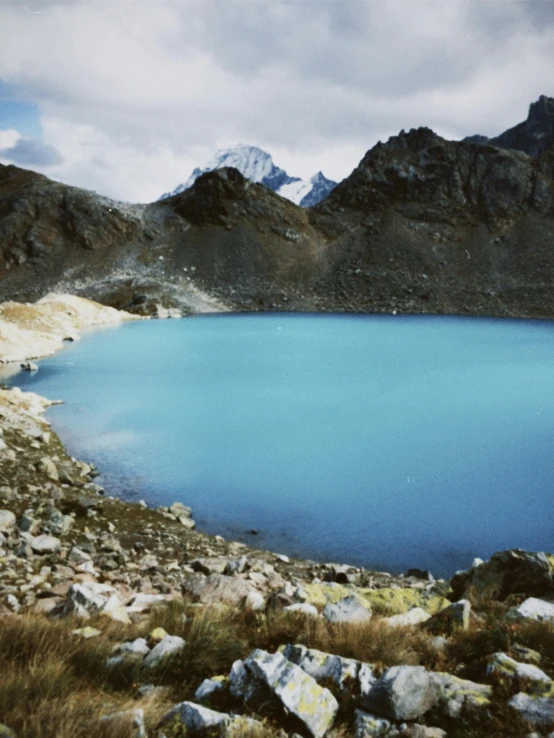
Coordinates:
(422, 225)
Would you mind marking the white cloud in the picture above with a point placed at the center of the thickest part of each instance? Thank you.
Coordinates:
(135, 94)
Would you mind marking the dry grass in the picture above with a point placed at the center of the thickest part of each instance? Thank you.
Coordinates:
(55, 685)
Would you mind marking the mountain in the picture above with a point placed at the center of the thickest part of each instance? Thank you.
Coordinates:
(533, 136)
(257, 166)
(422, 225)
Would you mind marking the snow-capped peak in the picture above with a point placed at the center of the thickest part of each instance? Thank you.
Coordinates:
(257, 166)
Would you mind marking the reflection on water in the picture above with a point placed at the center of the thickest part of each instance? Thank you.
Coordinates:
(385, 441)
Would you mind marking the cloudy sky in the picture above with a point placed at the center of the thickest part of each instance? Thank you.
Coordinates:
(126, 97)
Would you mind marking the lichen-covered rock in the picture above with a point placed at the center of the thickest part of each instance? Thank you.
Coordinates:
(536, 709)
(413, 617)
(298, 692)
(198, 720)
(527, 655)
(351, 609)
(453, 693)
(367, 725)
(394, 601)
(532, 609)
(210, 687)
(454, 617)
(402, 693)
(304, 608)
(348, 675)
(166, 648)
(507, 572)
(501, 663)
(44, 544)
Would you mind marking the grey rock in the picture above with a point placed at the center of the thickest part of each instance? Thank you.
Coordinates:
(77, 556)
(367, 725)
(166, 648)
(537, 710)
(216, 588)
(44, 544)
(180, 510)
(47, 466)
(210, 687)
(7, 521)
(303, 608)
(412, 617)
(402, 693)
(137, 647)
(348, 610)
(452, 618)
(532, 609)
(28, 524)
(133, 718)
(527, 655)
(201, 720)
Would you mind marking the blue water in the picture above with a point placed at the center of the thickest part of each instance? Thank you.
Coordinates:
(383, 441)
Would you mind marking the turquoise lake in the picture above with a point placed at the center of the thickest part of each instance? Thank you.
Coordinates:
(384, 441)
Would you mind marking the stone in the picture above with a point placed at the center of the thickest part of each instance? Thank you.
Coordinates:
(44, 544)
(396, 600)
(47, 466)
(138, 647)
(29, 366)
(142, 602)
(156, 635)
(507, 572)
(7, 521)
(532, 609)
(210, 687)
(194, 718)
(28, 524)
(501, 663)
(348, 675)
(60, 524)
(216, 588)
(536, 710)
(254, 600)
(77, 556)
(522, 653)
(210, 565)
(12, 602)
(367, 725)
(180, 510)
(298, 692)
(302, 607)
(453, 693)
(402, 693)
(166, 648)
(413, 617)
(241, 683)
(454, 617)
(87, 632)
(348, 610)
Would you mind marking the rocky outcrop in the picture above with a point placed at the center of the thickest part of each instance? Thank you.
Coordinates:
(533, 136)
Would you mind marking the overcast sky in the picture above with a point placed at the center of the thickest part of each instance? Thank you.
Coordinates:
(126, 97)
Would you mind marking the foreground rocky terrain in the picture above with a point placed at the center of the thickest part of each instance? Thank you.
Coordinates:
(119, 620)
(422, 225)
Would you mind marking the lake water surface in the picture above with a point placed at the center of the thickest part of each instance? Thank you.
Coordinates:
(390, 442)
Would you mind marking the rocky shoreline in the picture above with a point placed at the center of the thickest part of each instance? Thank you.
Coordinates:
(314, 649)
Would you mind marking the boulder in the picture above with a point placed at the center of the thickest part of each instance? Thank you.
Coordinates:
(77, 556)
(298, 692)
(47, 467)
(453, 693)
(216, 588)
(242, 684)
(402, 693)
(165, 649)
(413, 617)
(367, 725)
(507, 572)
(348, 675)
(396, 600)
(351, 609)
(138, 647)
(532, 609)
(142, 602)
(536, 710)
(504, 665)
(180, 510)
(7, 521)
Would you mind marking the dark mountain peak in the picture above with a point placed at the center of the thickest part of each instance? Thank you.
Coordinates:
(542, 110)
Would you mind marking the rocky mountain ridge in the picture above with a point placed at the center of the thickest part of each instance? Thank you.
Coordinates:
(257, 166)
(422, 225)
